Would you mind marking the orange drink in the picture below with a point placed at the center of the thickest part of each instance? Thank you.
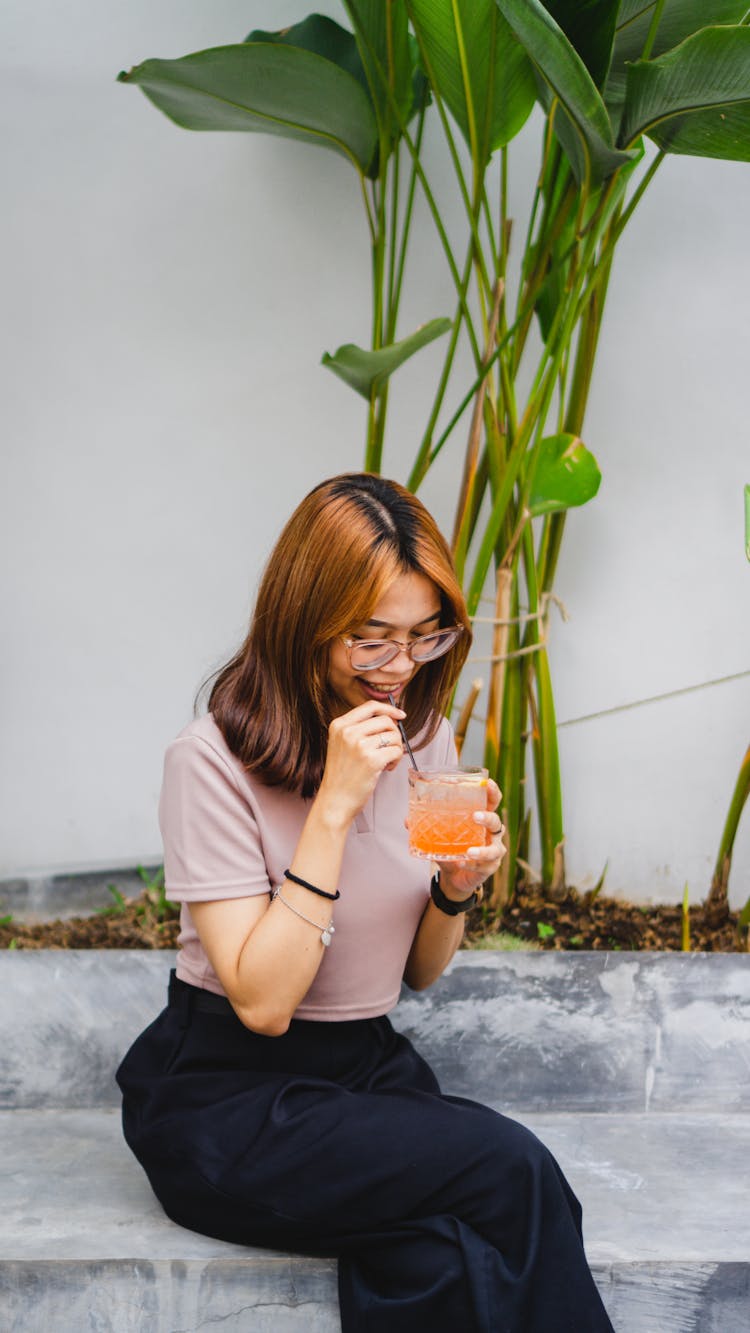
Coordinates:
(441, 812)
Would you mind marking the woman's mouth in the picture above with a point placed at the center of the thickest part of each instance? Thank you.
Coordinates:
(381, 692)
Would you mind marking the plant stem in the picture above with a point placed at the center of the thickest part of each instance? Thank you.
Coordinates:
(651, 37)
(391, 313)
(719, 891)
(425, 454)
(405, 230)
(419, 170)
(472, 206)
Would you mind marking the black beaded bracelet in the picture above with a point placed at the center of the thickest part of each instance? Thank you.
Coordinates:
(447, 905)
(305, 885)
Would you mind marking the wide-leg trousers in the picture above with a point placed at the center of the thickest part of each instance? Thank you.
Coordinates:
(334, 1139)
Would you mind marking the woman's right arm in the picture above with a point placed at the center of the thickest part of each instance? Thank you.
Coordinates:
(265, 956)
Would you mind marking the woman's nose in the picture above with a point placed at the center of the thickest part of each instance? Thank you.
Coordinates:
(397, 661)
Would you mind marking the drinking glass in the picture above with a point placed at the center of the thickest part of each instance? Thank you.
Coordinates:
(441, 812)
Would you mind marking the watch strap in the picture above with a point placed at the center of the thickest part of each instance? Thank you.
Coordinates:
(447, 905)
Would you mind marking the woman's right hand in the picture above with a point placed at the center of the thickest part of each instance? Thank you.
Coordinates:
(362, 744)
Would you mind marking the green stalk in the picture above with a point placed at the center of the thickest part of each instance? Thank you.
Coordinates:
(546, 754)
(419, 170)
(464, 506)
(651, 37)
(405, 230)
(508, 763)
(497, 268)
(391, 314)
(628, 212)
(425, 453)
(533, 418)
(472, 206)
(375, 416)
(718, 894)
(540, 271)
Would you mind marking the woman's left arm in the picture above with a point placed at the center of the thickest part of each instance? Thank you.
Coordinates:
(438, 934)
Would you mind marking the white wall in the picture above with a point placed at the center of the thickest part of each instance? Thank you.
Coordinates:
(166, 300)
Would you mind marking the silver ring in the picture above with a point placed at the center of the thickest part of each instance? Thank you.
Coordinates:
(383, 741)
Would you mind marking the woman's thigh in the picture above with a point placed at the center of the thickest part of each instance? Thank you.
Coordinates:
(327, 1157)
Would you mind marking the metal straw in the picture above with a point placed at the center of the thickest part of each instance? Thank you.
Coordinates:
(400, 726)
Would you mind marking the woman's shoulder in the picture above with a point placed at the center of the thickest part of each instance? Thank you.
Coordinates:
(204, 729)
(202, 745)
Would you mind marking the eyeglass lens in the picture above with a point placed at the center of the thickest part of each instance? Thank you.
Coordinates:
(369, 653)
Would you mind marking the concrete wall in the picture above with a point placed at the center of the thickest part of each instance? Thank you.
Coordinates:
(166, 301)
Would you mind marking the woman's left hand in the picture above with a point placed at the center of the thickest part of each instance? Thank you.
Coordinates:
(459, 879)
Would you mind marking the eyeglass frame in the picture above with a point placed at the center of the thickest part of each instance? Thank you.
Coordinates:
(407, 648)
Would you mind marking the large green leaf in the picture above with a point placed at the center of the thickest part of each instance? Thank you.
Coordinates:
(382, 36)
(478, 68)
(589, 26)
(367, 372)
(274, 89)
(581, 121)
(566, 475)
(696, 98)
(323, 37)
(679, 19)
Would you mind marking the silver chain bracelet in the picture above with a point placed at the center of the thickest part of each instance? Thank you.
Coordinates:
(326, 934)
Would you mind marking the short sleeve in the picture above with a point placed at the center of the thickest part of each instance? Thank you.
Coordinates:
(212, 846)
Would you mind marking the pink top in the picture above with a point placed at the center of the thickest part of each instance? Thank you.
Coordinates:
(227, 835)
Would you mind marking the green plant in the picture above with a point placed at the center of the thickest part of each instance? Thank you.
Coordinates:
(544, 931)
(718, 895)
(118, 906)
(607, 75)
(152, 908)
(158, 905)
(686, 920)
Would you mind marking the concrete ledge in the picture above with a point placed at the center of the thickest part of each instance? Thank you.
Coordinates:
(631, 1067)
(274, 1294)
(664, 1262)
(527, 1031)
(59, 896)
(70, 1188)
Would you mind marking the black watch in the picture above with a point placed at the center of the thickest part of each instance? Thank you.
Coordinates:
(447, 905)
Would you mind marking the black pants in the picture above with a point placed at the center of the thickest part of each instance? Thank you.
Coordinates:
(335, 1139)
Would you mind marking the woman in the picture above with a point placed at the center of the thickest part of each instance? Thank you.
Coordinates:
(272, 1103)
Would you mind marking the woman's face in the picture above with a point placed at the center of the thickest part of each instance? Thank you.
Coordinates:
(408, 608)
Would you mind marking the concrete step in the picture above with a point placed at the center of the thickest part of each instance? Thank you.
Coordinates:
(84, 1245)
(526, 1031)
(631, 1067)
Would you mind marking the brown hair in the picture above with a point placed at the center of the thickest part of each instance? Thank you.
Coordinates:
(341, 549)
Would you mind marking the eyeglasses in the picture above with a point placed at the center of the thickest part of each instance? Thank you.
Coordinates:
(367, 654)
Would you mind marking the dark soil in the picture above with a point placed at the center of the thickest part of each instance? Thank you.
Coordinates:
(578, 921)
(592, 921)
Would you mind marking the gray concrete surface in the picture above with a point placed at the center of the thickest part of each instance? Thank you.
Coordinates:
(645, 1182)
(528, 1031)
(632, 1068)
(84, 1244)
(57, 897)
